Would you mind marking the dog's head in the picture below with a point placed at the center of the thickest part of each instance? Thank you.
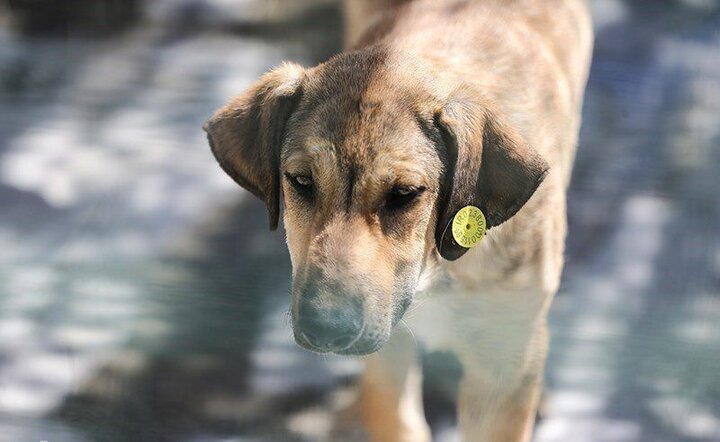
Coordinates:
(371, 157)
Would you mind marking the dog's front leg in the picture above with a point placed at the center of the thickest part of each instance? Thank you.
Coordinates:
(486, 415)
(391, 393)
(499, 406)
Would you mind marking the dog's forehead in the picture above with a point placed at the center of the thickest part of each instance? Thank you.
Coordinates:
(355, 131)
(375, 79)
(361, 115)
(350, 73)
(359, 135)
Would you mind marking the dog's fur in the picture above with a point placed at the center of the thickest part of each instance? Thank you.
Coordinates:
(437, 105)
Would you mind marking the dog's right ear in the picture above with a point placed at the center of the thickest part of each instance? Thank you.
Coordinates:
(245, 135)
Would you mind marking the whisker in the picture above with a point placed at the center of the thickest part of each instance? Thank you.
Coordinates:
(417, 304)
(402, 321)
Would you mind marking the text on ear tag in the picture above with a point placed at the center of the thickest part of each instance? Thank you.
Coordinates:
(468, 226)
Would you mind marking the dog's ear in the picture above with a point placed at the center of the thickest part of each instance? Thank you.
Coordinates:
(489, 165)
(245, 135)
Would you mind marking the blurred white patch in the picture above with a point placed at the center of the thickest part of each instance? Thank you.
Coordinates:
(15, 328)
(86, 336)
(576, 402)
(311, 423)
(587, 430)
(687, 418)
(607, 12)
(22, 398)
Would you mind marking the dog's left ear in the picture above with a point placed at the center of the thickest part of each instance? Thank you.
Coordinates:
(245, 135)
(489, 165)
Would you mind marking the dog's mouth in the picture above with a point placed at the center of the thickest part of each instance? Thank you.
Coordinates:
(330, 335)
(370, 340)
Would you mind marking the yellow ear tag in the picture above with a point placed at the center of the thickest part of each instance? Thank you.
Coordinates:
(468, 226)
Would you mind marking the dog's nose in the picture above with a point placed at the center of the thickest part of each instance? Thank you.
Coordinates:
(329, 328)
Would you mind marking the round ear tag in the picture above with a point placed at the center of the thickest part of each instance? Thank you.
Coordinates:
(468, 226)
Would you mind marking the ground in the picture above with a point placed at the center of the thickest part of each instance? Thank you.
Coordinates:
(142, 297)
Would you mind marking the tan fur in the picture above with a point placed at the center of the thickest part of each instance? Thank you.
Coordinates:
(358, 15)
(390, 393)
(474, 102)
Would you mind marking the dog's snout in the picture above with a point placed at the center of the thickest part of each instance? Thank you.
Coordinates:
(329, 327)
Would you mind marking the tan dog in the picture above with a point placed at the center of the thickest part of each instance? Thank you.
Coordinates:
(439, 105)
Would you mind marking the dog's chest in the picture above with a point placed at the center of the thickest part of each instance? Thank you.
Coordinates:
(490, 331)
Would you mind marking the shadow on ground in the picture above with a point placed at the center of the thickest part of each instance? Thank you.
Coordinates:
(143, 298)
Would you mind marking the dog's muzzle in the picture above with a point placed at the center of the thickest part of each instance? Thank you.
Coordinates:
(328, 326)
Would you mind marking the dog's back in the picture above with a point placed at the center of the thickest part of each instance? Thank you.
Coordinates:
(564, 25)
(529, 56)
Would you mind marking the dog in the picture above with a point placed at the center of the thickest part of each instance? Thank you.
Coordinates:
(441, 116)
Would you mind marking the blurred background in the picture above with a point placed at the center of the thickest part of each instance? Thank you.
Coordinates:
(142, 297)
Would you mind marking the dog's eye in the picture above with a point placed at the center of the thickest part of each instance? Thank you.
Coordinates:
(303, 184)
(401, 196)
